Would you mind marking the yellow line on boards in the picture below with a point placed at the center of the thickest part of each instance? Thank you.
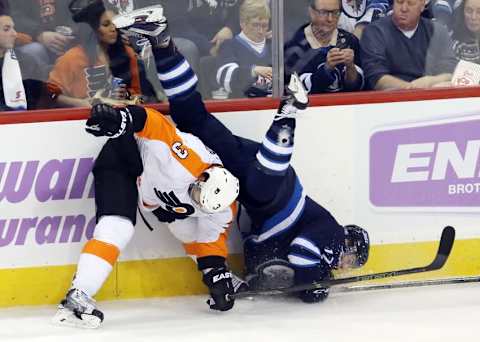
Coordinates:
(179, 276)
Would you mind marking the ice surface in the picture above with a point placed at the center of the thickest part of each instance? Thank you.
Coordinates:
(434, 313)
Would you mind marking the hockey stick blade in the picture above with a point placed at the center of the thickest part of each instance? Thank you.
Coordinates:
(445, 247)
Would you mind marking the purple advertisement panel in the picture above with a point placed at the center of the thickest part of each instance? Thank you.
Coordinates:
(435, 164)
(32, 183)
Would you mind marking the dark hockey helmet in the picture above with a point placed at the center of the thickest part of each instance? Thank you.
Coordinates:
(358, 243)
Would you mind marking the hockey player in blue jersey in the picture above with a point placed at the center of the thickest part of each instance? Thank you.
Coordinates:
(290, 234)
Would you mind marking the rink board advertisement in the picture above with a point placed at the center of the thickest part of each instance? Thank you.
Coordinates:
(418, 168)
(401, 170)
(431, 166)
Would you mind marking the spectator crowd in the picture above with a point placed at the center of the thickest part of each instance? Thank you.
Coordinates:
(52, 57)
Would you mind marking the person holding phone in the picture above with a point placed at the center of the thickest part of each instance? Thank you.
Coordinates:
(326, 57)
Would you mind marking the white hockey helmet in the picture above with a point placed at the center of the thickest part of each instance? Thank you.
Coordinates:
(215, 189)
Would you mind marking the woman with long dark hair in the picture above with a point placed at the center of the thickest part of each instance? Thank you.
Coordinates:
(100, 62)
(466, 31)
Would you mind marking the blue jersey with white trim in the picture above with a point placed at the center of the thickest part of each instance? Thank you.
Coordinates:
(234, 66)
(271, 218)
(310, 63)
(312, 243)
(260, 167)
(320, 241)
(278, 215)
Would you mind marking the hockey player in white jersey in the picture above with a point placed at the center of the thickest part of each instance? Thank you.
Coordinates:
(148, 163)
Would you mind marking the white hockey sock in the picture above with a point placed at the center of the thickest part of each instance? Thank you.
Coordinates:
(111, 236)
(92, 272)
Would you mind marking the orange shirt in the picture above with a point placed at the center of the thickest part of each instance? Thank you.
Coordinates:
(73, 75)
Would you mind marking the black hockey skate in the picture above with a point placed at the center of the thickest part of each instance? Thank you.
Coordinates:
(78, 310)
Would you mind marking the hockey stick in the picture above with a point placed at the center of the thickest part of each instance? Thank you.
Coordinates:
(446, 243)
(416, 283)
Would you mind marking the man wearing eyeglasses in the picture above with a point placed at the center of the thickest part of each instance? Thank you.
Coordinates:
(325, 56)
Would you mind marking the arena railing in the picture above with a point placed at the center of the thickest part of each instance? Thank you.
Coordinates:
(238, 105)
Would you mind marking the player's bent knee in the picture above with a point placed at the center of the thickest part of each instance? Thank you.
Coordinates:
(115, 230)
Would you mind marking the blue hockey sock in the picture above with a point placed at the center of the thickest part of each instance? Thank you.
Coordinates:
(175, 73)
(276, 150)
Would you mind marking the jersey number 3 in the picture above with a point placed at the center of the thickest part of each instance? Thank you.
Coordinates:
(182, 153)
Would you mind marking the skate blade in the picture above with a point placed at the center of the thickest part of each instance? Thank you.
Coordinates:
(65, 317)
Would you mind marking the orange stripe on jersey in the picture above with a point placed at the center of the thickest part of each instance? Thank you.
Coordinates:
(218, 247)
(103, 250)
(158, 127)
(203, 249)
(234, 208)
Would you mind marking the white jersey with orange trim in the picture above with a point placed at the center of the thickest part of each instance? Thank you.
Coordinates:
(172, 161)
